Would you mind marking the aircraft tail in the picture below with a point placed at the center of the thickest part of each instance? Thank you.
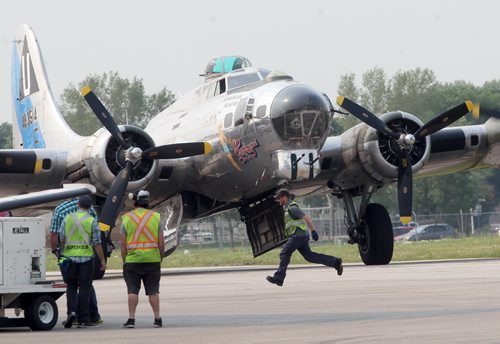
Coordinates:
(37, 122)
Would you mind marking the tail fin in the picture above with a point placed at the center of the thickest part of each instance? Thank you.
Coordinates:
(37, 122)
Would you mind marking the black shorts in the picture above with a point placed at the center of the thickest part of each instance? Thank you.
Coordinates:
(149, 273)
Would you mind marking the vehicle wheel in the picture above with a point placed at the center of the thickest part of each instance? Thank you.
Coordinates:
(41, 312)
(377, 243)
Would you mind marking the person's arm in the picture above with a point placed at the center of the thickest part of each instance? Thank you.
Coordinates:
(54, 240)
(55, 223)
(309, 222)
(310, 225)
(123, 243)
(161, 239)
(61, 232)
(100, 255)
(96, 242)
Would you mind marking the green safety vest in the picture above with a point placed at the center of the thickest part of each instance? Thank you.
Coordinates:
(78, 232)
(141, 228)
(291, 224)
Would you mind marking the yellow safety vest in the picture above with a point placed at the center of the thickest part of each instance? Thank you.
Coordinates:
(291, 224)
(78, 232)
(141, 228)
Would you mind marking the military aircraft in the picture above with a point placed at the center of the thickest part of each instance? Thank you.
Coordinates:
(231, 143)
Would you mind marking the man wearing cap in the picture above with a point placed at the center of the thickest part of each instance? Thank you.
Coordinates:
(142, 246)
(80, 236)
(296, 224)
(59, 214)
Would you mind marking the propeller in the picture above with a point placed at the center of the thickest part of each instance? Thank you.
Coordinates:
(476, 112)
(132, 156)
(405, 142)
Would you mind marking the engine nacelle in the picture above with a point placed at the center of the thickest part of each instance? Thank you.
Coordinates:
(379, 153)
(363, 156)
(104, 159)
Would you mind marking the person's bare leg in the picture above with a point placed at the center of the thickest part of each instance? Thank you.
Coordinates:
(133, 300)
(154, 301)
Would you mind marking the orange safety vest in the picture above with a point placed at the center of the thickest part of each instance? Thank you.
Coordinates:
(141, 228)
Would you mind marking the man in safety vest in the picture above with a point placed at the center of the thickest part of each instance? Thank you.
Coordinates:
(142, 247)
(80, 236)
(58, 215)
(296, 224)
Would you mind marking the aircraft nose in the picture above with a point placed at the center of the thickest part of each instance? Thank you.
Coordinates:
(300, 116)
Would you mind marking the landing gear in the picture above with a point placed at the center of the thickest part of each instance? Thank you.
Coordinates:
(371, 228)
(377, 243)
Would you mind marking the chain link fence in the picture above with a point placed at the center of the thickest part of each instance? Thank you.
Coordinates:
(330, 225)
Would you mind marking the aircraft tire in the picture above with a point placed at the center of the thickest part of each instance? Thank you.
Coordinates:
(377, 245)
(41, 312)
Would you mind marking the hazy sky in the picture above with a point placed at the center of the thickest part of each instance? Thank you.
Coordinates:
(168, 43)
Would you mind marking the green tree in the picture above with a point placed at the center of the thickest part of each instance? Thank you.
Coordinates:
(125, 99)
(371, 95)
(409, 91)
(5, 135)
(375, 90)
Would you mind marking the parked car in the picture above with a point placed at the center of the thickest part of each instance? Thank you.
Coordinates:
(398, 228)
(428, 232)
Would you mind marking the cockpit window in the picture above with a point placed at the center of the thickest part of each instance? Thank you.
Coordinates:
(226, 64)
(242, 80)
(300, 116)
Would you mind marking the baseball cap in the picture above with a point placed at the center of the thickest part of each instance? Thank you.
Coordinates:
(140, 195)
(85, 201)
(282, 192)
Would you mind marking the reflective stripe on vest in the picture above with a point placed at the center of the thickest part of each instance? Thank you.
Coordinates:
(291, 224)
(78, 232)
(141, 227)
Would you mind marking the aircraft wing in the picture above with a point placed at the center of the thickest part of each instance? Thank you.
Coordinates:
(39, 197)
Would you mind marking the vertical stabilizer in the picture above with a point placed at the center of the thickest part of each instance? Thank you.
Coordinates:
(37, 122)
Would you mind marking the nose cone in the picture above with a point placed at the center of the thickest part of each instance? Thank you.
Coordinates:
(300, 116)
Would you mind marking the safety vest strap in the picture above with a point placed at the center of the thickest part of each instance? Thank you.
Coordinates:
(142, 228)
(290, 223)
(78, 227)
(78, 234)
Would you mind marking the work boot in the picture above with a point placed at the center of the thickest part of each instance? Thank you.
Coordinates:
(70, 320)
(274, 280)
(339, 267)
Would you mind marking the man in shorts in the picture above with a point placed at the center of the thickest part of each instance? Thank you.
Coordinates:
(142, 247)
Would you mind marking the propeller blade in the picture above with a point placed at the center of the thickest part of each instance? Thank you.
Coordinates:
(103, 115)
(365, 116)
(405, 189)
(444, 119)
(177, 150)
(114, 199)
(476, 112)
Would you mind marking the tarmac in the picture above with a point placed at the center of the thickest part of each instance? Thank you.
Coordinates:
(452, 301)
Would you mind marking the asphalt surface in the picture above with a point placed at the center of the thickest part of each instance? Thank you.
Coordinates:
(432, 302)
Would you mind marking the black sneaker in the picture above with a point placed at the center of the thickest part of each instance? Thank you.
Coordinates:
(83, 325)
(274, 280)
(130, 323)
(158, 322)
(71, 318)
(339, 267)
